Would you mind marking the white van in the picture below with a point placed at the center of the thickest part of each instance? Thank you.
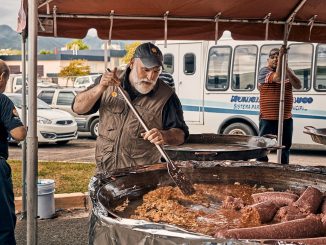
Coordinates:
(217, 85)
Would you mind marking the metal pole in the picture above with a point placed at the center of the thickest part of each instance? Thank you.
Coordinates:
(106, 54)
(32, 117)
(24, 118)
(282, 93)
(159, 18)
(289, 23)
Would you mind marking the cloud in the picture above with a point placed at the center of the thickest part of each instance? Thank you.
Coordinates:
(9, 12)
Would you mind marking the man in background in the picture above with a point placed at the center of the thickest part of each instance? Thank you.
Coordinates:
(269, 79)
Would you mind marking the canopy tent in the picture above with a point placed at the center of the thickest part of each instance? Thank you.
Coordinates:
(293, 20)
(186, 20)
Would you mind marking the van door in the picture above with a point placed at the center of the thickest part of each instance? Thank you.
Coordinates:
(190, 83)
(185, 62)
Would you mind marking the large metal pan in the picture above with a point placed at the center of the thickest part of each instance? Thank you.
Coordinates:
(132, 184)
(209, 147)
(317, 135)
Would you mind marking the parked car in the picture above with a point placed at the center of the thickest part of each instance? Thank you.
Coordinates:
(53, 125)
(15, 83)
(85, 81)
(62, 99)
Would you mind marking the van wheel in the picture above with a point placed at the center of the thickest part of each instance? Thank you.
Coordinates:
(239, 129)
(62, 142)
(94, 128)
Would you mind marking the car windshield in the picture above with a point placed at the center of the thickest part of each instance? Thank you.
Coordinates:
(18, 101)
(94, 77)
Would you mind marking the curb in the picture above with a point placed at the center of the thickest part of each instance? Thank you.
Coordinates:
(76, 200)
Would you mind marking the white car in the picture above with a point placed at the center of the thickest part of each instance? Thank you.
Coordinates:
(85, 81)
(62, 98)
(53, 125)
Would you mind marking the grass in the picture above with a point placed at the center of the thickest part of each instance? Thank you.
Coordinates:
(68, 177)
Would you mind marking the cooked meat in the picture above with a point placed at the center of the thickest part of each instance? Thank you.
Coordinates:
(300, 228)
(289, 213)
(263, 211)
(233, 203)
(309, 201)
(278, 198)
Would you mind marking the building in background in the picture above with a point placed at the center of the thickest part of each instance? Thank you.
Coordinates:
(49, 65)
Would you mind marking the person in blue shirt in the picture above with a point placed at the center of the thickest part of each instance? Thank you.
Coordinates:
(9, 124)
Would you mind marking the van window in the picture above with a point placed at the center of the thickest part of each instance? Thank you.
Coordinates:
(244, 66)
(218, 68)
(264, 52)
(19, 81)
(189, 64)
(320, 78)
(300, 61)
(168, 63)
(65, 98)
(46, 96)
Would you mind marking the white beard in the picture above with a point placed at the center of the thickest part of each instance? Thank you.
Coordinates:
(143, 86)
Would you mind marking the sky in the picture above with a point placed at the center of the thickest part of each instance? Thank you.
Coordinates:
(9, 12)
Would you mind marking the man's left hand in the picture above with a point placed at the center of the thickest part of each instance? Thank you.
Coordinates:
(155, 136)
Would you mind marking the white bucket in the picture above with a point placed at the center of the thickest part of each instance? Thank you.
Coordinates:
(45, 198)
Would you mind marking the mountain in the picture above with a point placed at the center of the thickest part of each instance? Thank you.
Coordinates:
(10, 39)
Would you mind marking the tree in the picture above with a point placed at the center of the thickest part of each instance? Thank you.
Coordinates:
(77, 44)
(10, 52)
(130, 48)
(75, 68)
(43, 51)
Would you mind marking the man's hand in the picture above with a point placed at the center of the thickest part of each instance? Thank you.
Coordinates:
(110, 78)
(155, 136)
(283, 50)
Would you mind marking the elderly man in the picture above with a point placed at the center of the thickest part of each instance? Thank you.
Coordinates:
(122, 142)
(269, 79)
(9, 123)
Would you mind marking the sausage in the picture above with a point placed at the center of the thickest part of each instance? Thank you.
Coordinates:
(279, 198)
(309, 201)
(289, 213)
(299, 228)
(264, 211)
(323, 206)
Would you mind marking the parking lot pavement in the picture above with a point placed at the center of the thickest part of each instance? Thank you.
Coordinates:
(83, 150)
(80, 150)
(68, 229)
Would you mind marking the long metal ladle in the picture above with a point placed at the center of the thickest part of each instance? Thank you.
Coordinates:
(174, 171)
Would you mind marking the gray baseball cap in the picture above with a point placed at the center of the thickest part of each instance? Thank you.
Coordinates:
(149, 54)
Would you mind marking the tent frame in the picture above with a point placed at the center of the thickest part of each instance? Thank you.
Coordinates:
(33, 20)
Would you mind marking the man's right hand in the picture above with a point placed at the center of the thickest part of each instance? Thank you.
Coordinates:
(109, 79)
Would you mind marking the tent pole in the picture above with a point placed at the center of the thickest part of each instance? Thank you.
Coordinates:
(282, 93)
(106, 44)
(287, 27)
(32, 126)
(24, 118)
